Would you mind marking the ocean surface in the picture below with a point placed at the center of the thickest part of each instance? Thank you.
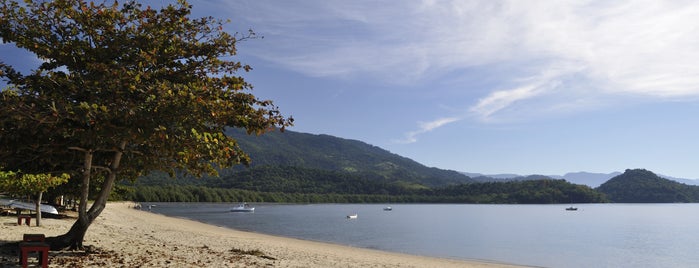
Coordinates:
(596, 235)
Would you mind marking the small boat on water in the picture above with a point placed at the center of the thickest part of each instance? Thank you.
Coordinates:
(387, 208)
(243, 207)
(571, 208)
(353, 216)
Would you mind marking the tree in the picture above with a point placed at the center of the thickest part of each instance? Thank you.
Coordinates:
(122, 91)
(31, 184)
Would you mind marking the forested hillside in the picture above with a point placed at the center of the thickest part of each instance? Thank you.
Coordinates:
(298, 167)
(292, 162)
(643, 186)
(329, 153)
(535, 191)
(547, 191)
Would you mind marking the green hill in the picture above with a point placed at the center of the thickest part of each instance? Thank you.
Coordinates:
(643, 186)
(299, 167)
(326, 153)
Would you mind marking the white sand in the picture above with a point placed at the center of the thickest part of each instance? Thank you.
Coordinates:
(126, 237)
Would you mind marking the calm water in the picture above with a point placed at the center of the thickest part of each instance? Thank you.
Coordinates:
(597, 235)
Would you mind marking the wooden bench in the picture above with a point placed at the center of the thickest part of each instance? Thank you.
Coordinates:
(28, 247)
(27, 219)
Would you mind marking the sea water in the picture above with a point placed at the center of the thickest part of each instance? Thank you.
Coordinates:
(596, 235)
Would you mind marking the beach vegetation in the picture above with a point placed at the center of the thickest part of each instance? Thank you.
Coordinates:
(34, 185)
(513, 192)
(121, 90)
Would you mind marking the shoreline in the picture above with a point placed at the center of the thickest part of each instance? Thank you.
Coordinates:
(127, 237)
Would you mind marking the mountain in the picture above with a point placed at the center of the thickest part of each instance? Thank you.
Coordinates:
(583, 178)
(681, 180)
(492, 176)
(291, 167)
(643, 186)
(588, 178)
(299, 167)
(329, 153)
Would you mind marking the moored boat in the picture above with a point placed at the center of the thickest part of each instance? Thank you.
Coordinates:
(243, 207)
(571, 208)
(353, 216)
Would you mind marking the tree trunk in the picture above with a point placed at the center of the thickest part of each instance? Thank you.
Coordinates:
(38, 209)
(73, 239)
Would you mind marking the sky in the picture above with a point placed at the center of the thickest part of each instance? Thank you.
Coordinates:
(524, 87)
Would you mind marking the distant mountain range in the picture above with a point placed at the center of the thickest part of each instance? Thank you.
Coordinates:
(328, 152)
(681, 180)
(304, 164)
(585, 178)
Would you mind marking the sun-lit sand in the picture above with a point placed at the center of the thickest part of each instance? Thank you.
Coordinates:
(125, 237)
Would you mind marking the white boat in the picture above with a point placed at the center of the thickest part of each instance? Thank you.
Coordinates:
(29, 206)
(353, 216)
(387, 208)
(242, 207)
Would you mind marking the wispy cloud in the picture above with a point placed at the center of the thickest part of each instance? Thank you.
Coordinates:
(498, 100)
(645, 47)
(607, 48)
(552, 80)
(424, 127)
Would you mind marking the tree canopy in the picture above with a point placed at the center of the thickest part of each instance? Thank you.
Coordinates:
(123, 90)
(31, 184)
(643, 186)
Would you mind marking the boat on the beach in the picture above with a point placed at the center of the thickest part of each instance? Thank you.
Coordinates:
(29, 206)
(243, 207)
(353, 216)
(571, 208)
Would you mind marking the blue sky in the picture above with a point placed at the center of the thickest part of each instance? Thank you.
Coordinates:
(526, 87)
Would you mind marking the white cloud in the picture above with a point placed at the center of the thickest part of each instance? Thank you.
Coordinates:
(636, 47)
(620, 40)
(629, 47)
(500, 99)
(424, 127)
(551, 81)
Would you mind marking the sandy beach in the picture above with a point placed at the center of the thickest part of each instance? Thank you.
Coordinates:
(125, 237)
